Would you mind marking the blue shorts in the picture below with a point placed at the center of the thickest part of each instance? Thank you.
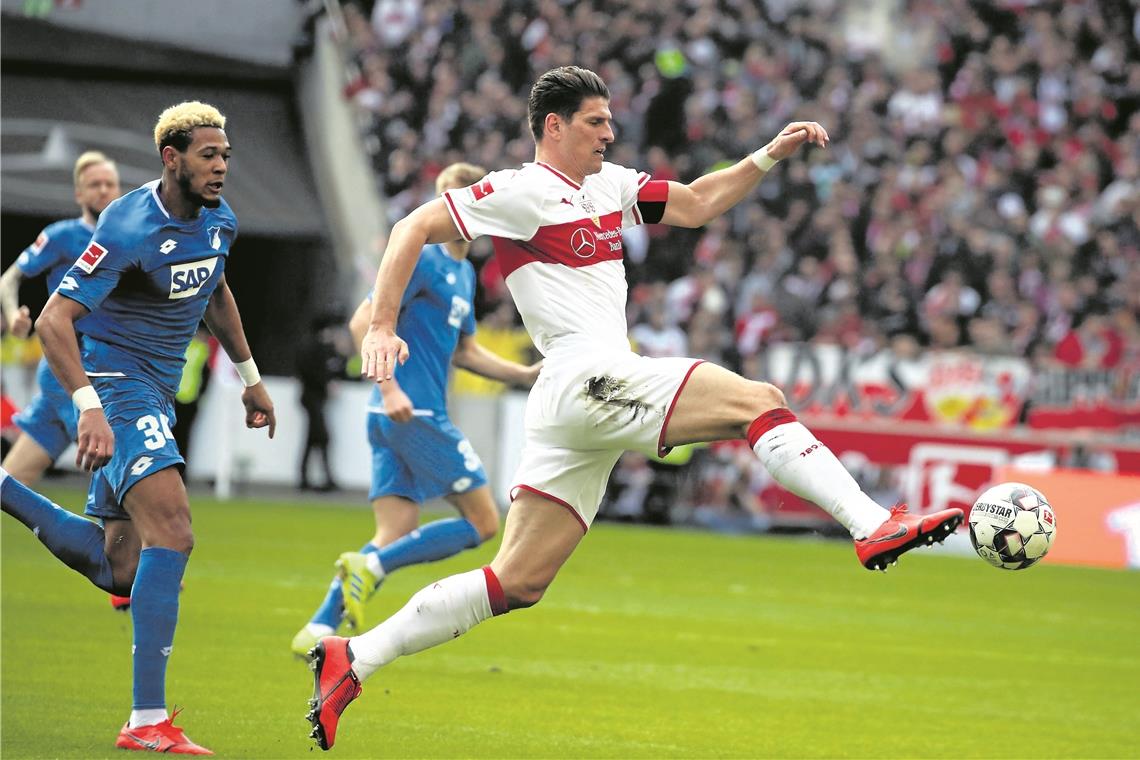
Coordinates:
(141, 417)
(49, 419)
(422, 459)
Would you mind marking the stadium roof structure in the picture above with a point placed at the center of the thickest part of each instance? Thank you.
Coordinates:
(66, 91)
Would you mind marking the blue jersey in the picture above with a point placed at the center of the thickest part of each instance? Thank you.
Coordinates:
(147, 277)
(55, 250)
(435, 311)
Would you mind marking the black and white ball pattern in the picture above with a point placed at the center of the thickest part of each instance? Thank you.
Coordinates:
(1012, 526)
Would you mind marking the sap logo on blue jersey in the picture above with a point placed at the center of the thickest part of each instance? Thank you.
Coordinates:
(187, 279)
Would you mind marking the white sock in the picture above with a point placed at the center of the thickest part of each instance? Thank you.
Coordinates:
(441, 612)
(320, 630)
(147, 717)
(372, 560)
(807, 468)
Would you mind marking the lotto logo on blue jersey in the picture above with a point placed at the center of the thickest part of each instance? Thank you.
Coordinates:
(187, 279)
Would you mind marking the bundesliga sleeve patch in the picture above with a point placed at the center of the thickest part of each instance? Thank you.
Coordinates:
(41, 241)
(651, 200)
(481, 190)
(90, 258)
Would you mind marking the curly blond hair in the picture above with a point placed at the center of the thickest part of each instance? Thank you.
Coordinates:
(176, 123)
(86, 161)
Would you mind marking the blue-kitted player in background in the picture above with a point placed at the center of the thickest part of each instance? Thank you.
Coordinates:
(154, 268)
(418, 454)
(47, 422)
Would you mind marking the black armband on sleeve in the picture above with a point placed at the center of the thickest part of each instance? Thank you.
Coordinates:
(651, 200)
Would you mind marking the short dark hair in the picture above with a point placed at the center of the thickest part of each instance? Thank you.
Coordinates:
(562, 91)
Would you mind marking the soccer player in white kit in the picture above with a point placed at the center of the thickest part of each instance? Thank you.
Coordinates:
(556, 226)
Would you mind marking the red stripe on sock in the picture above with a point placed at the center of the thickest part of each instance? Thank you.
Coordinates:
(495, 592)
(766, 422)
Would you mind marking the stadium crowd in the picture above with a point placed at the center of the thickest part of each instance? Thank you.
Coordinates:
(980, 191)
(981, 188)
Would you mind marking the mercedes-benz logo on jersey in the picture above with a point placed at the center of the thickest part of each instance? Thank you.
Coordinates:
(583, 242)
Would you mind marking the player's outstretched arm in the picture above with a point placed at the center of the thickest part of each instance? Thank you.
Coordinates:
(17, 318)
(224, 321)
(709, 196)
(382, 348)
(56, 328)
(471, 356)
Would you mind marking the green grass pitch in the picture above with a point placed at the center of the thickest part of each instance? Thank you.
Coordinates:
(651, 643)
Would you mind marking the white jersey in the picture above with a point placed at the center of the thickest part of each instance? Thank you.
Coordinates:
(559, 246)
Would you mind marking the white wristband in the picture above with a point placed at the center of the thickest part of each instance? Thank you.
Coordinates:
(248, 373)
(86, 398)
(763, 161)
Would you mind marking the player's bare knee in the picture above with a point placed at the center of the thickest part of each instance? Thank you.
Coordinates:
(179, 538)
(769, 397)
(184, 543)
(761, 398)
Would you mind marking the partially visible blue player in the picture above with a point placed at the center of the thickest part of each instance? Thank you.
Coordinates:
(418, 454)
(47, 423)
(155, 267)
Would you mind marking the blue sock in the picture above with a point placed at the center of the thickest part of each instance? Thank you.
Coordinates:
(154, 612)
(76, 541)
(331, 611)
(436, 540)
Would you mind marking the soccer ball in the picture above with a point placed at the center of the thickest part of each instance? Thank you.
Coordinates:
(1012, 526)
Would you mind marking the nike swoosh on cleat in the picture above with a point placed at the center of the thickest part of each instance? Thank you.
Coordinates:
(142, 743)
(897, 534)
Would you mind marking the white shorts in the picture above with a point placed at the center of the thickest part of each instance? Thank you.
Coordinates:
(583, 413)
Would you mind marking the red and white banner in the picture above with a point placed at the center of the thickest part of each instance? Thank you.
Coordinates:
(951, 388)
(935, 468)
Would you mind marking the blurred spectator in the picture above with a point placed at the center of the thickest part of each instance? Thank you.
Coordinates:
(1094, 344)
(195, 378)
(656, 337)
(320, 360)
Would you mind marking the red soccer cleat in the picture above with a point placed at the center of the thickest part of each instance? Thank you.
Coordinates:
(122, 603)
(334, 687)
(161, 737)
(902, 532)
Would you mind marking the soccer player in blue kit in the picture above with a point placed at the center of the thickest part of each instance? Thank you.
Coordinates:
(153, 270)
(48, 421)
(418, 454)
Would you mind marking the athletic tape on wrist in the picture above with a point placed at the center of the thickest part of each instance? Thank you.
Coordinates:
(248, 373)
(763, 161)
(86, 398)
